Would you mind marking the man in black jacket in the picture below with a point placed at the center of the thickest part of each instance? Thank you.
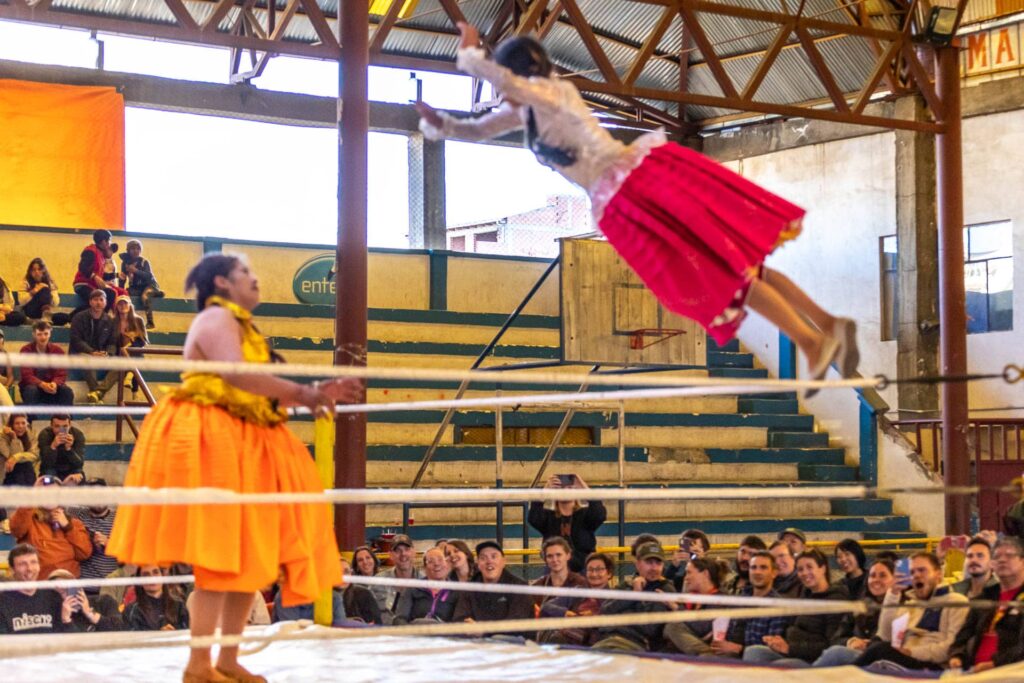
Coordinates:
(93, 333)
(991, 636)
(473, 606)
(62, 450)
(650, 561)
(574, 520)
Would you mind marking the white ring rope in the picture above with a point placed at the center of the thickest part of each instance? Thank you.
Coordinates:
(24, 646)
(96, 496)
(80, 362)
(6, 586)
(606, 399)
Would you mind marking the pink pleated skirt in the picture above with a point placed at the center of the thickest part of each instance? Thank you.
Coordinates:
(697, 234)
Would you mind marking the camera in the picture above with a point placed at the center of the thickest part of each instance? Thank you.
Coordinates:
(113, 247)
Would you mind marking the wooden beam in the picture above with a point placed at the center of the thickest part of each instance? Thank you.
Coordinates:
(532, 17)
(181, 13)
(452, 9)
(590, 41)
(882, 67)
(550, 20)
(384, 27)
(218, 14)
(924, 84)
(650, 44)
(708, 50)
(766, 62)
(821, 69)
(320, 25)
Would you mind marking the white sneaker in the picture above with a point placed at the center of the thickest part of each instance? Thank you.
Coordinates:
(829, 350)
(845, 330)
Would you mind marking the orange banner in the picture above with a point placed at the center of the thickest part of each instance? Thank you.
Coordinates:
(61, 155)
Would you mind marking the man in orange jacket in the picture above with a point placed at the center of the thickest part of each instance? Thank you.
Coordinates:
(62, 541)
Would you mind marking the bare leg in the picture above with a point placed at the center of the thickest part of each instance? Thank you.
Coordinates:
(237, 607)
(204, 617)
(798, 299)
(767, 301)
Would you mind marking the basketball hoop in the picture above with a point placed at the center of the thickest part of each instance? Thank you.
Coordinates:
(638, 338)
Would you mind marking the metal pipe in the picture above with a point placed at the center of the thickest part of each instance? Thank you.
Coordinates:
(556, 440)
(622, 471)
(952, 303)
(350, 312)
(499, 466)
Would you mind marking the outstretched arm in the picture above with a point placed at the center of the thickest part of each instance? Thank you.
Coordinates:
(438, 125)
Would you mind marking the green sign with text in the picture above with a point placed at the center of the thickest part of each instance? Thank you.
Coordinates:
(311, 284)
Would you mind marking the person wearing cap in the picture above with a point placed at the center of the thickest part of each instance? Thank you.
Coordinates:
(44, 386)
(795, 539)
(81, 613)
(96, 270)
(136, 274)
(472, 606)
(62, 542)
(403, 557)
(650, 562)
(93, 333)
(130, 330)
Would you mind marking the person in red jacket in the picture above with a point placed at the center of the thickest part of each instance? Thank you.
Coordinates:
(96, 270)
(62, 541)
(44, 386)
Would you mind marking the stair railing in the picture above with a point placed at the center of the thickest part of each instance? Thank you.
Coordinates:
(138, 352)
(556, 440)
(449, 414)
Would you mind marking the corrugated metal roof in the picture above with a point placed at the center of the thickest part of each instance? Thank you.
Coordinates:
(621, 27)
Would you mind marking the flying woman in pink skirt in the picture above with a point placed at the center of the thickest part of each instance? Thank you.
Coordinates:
(695, 232)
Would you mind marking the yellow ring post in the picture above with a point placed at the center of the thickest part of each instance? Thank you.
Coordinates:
(323, 452)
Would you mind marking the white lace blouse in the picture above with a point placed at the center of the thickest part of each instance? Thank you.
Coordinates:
(563, 120)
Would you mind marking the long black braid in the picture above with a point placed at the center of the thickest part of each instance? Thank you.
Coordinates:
(525, 56)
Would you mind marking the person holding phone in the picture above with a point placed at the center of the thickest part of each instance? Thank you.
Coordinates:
(577, 521)
(62, 541)
(693, 544)
(83, 614)
(62, 450)
(926, 634)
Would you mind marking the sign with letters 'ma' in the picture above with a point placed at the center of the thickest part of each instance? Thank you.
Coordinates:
(311, 284)
(991, 51)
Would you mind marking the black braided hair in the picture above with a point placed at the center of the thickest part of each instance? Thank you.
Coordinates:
(525, 56)
(201, 277)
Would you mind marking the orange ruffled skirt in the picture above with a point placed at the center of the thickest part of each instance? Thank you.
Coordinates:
(230, 547)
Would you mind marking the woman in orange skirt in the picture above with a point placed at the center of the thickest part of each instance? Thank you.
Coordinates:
(228, 432)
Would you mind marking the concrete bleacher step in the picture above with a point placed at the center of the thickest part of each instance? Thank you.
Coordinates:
(726, 359)
(770, 406)
(790, 439)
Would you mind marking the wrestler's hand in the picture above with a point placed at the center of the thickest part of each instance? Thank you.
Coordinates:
(429, 114)
(469, 36)
(342, 390)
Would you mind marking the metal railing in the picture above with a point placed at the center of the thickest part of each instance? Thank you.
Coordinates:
(147, 393)
(989, 439)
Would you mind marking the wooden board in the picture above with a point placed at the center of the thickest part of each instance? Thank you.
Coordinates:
(604, 302)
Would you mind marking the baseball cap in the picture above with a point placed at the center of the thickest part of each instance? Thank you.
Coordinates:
(648, 550)
(489, 544)
(796, 532)
(401, 539)
(97, 293)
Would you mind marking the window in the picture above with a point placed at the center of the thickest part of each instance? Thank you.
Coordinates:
(889, 266)
(988, 276)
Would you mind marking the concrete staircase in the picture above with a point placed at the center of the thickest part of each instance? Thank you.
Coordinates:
(758, 443)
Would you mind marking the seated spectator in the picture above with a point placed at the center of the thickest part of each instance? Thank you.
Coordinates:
(29, 611)
(427, 604)
(992, 636)
(693, 543)
(136, 275)
(154, 609)
(1013, 520)
(703, 577)
(92, 333)
(460, 559)
(130, 331)
(742, 633)
(809, 634)
(600, 572)
(62, 450)
(96, 270)
(787, 581)
(6, 376)
(44, 386)
(19, 451)
(977, 569)
(359, 603)
(39, 297)
(81, 613)
(930, 632)
(650, 562)
(795, 539)
(62, 543)
(858, 631)
(576, 521)
(555, 552)
(599, 569)
(748, 546)
(8, 314)
(98, 521)
(403, 555)
(307, 611)
(120, 593)
(851, 559)
(471, 606)
(365, 563)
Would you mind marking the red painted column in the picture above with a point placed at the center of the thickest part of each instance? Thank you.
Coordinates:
(952, 297)
(350, 321)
